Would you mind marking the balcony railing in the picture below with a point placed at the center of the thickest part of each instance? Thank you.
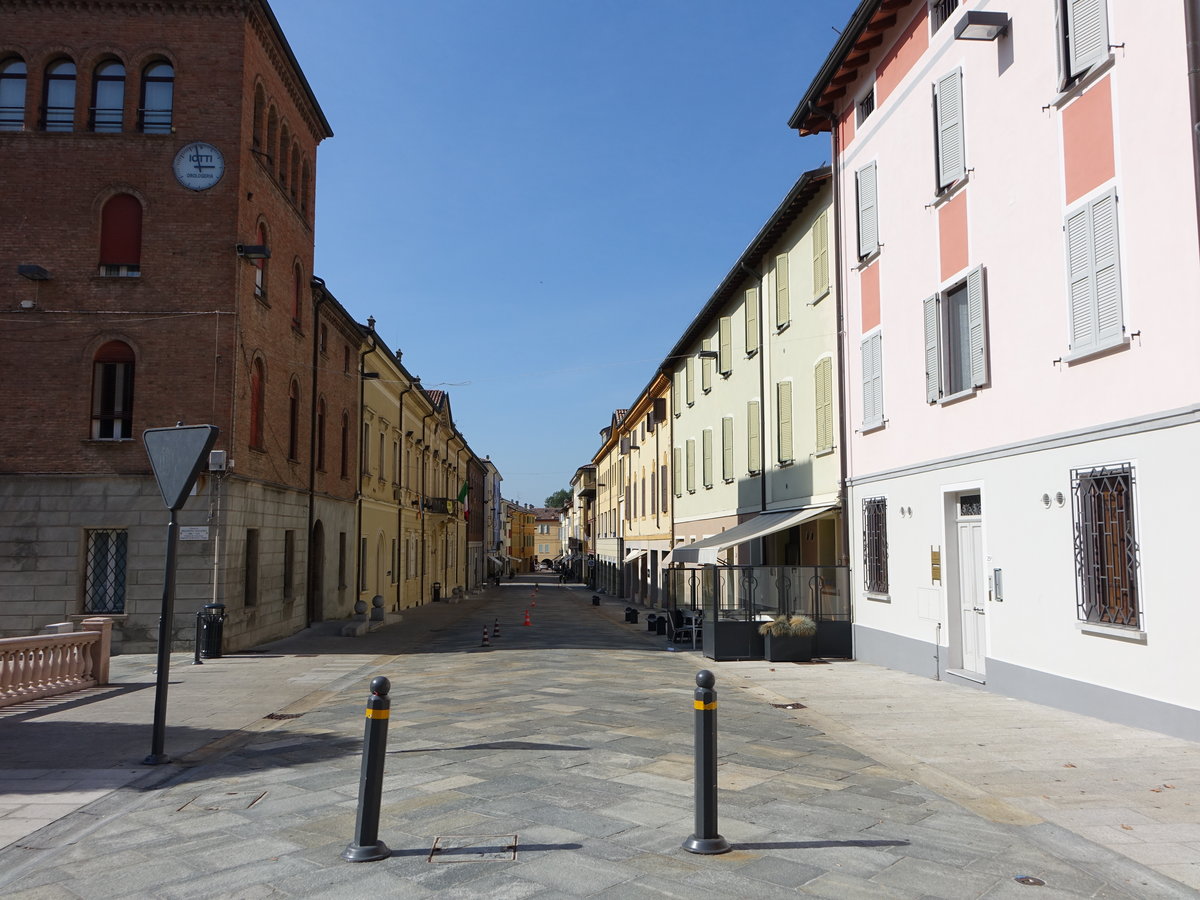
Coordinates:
(44, 665)
(442, 505)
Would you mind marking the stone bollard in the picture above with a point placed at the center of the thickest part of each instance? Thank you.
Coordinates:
(366, 846)
(705, 839)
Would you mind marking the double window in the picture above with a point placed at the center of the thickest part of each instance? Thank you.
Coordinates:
(1106, 548)
(956, 339)
(1094, 276)
(112, 392)
(875, 551)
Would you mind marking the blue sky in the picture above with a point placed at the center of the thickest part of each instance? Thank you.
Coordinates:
(534, 198)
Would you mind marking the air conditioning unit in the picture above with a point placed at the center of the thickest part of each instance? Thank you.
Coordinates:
(217, 460)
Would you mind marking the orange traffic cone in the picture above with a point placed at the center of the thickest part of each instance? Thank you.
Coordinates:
(496, 629)
(486, 642)
(527, 622)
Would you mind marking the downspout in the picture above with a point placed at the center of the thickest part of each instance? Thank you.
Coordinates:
(421, 502)
(1191, 17)
(358, 495)
(400, 501)
(318, 286)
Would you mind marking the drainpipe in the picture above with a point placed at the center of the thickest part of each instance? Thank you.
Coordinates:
(318, 287)
(362, 378)
(400, 502)
(1191, 17)
(421, 501)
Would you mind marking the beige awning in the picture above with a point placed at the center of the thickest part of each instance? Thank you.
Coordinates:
(634, 555)
(705, 550)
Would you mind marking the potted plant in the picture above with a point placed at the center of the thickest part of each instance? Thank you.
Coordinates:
(788, 638)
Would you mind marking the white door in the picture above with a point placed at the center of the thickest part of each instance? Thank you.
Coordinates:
(971, 587)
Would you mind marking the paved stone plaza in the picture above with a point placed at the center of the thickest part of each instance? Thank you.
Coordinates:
(571, 739)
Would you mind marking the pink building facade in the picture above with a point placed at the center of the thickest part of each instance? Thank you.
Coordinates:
(1016, 245)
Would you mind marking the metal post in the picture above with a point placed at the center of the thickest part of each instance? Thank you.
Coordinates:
(366, 846)
(197, 661)
(157, 756)
(706, 839)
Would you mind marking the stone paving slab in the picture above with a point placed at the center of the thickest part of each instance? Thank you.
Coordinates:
(575, 734)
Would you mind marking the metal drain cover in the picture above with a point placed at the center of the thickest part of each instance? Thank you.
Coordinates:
(283, 715)
(473, 848)
(789, 706)
(1030, 880)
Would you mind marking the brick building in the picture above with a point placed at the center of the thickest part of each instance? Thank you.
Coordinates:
(156, 251)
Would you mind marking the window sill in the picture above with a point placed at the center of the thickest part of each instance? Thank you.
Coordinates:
(1118, 632)
(864, 262)
(261, 297)
(786, 463)
(781, 328)
(1111, 346)
(949, 192)
(825, 452)
(817, 299)
(868, 427)
(104, 441)
(878, 597)
(1083, 82)
(957, 396)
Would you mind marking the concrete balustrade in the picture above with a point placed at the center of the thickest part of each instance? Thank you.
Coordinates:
(44, 665)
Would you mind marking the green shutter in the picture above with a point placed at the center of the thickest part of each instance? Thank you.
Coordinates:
(691, 465)
(750, 301)
(753, 444)
(727, 448)
(823, 385)
(868, 215)
(977, 327)
(706, 446)
(933, 354)
(783, 304)
(677, 471)
(706, 369)
(820, 251)
(725, 347)
(783, 418)
(950, 156)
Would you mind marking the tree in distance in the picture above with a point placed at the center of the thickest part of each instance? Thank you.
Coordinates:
(558, 499)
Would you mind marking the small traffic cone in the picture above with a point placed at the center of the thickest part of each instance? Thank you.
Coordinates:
(496, 630)
(486, 642)
(527, 622)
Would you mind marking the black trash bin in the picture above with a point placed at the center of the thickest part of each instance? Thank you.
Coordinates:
(629, 614)
(633, 615)
(212, 629)
(595, 600)
(660, 625)
(651, 622)
(437, 592)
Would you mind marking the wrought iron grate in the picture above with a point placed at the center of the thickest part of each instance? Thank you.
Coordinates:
(875, 559)
(1106, 548)
(939, 12)
(104, 591)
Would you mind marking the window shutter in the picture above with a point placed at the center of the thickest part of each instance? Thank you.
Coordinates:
(691, 465)
(690, 370)
(1087, 34)
(820, 249)
(679, 388)
(677, 471)
(727, 448)
(951, 158)
(783, 305)
(725, 348)
(783, 397)
(706, 444)
(750, 301)
(823, 378)
(121, 231)
(872, 363)
(753, 444)
(868, 217)
(1079, 279)
(662, 481)
(1106, 265)
(977, 327)
(706, 369)
(933, 356)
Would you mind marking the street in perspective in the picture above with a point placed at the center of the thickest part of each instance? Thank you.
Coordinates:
(554, 758)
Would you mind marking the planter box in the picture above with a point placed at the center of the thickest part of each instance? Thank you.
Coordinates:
(790, 648)
(730, 640)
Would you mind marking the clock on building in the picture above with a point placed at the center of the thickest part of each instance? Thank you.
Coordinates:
(198, 166)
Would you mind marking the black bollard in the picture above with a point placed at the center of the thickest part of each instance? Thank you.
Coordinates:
(199, 624)
(366, 846)
(706, 839)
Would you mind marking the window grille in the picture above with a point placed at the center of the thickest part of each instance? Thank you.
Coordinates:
(866, 106)
(875, 562)
(939, 12)
(1106, 548)
(104, 591)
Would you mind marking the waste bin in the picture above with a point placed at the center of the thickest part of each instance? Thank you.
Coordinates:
(651, 622)
(212, 629)
(660, 625)
(633, 615)
(595, 600)
(628, 616)
(437, 591)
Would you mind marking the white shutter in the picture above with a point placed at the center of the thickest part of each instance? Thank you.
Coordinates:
(933, 354)
(1106, 267)
(1079, 280)
(868, 214)
(753, 444)
(977, 327)
(689, 367)
(706, 446)
(691, 465)
(677, 471)
(950, 156)
(1087, 34)
(725, 347)
(677, 400)
(823, 385)
(706, 369)
(751, 304)
(820, 252)
(727, 448)
(783, 415)
(783, 303)
(872, 365)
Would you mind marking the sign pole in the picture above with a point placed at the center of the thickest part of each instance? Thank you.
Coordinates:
(157, 756)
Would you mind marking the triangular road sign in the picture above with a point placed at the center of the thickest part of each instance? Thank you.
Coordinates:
(176, 455)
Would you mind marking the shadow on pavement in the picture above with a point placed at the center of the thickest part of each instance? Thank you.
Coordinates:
(810, 845)
(495, 745)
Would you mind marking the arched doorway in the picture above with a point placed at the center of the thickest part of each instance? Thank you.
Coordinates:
(316, 574)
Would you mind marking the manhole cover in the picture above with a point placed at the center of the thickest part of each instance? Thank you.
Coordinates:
(473, 848)
(1030, 880)
(283, 716)
(223, 800)
(789, 706)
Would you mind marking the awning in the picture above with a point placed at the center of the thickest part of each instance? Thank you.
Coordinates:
(495, 560)
(705, 551)
(634, 555)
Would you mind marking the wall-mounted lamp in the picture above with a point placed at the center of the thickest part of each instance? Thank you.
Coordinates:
(253, 251)
(33, 273)
(979, 25)
(708, 354)
(408, 434)
(370, 374)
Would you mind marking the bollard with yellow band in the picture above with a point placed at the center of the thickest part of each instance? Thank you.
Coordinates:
(366, 846)
(706, 839)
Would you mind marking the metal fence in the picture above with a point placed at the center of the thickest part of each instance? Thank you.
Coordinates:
(746, 593)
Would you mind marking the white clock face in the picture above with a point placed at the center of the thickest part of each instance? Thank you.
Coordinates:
(199, 166)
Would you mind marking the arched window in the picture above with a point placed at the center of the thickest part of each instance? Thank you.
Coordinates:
(297, 295)
(12, 95)
(257, 391)
(121, 237)
(294, 420)
(321, 434)
(158, 97)
(305, 179)
(285, 141)
(344, 466)
(294, 177)
(112, 392)
(256, 127)
(108, 97)
(272, 134)
(60, 96)
(260, 267)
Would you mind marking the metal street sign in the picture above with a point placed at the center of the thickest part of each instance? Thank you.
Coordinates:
(176, 455)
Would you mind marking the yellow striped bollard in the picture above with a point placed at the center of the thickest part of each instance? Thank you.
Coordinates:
(366, 846)
(706, 839)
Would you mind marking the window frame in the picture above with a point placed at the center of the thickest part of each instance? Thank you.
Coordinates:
(100, 118)
(1105, 539)
(875, 549)
(936, 312)
(159, 119)
(59, 118)
(113, 369)
(12, 118)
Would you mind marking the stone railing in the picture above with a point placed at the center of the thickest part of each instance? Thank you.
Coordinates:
(43, 665)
